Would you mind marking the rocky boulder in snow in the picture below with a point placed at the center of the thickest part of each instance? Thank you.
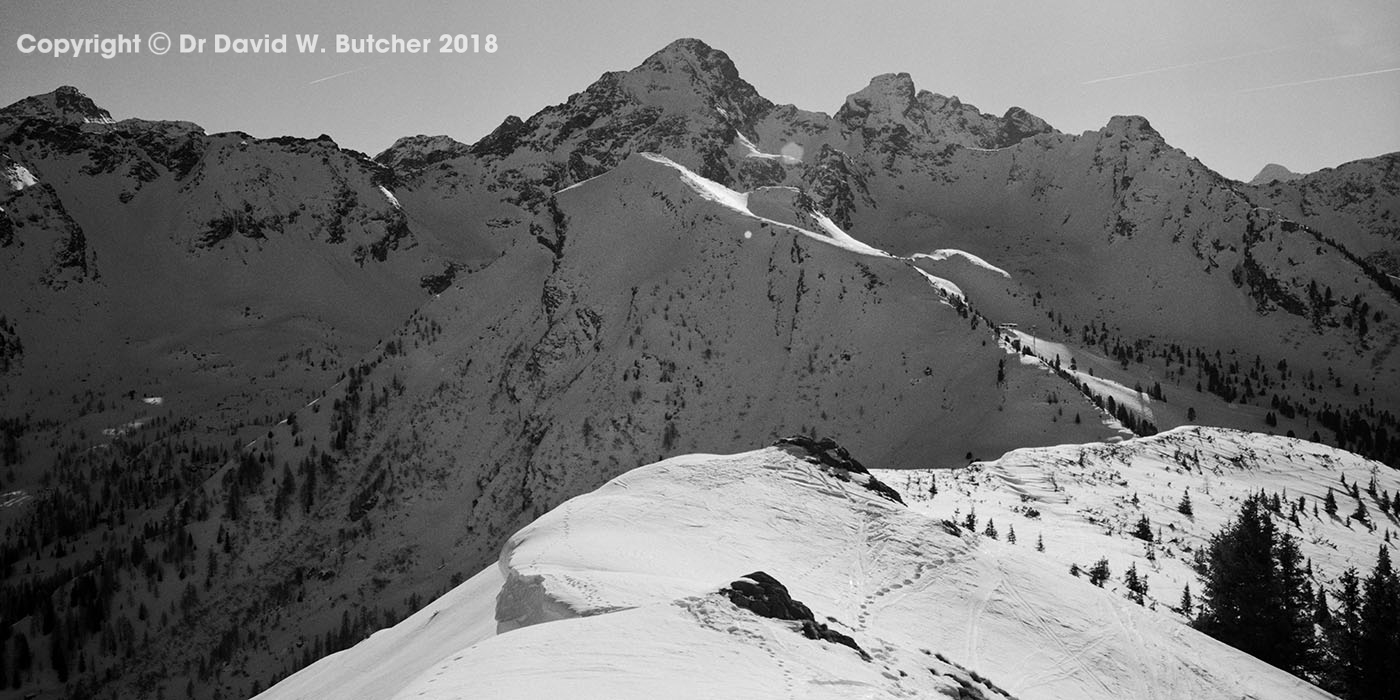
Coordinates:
(839, 463)
(765, 596)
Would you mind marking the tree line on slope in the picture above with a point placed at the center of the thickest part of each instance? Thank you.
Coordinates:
(1257, 595)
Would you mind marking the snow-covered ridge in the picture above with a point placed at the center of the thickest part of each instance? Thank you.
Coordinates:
(1084, 501)
(739, 202)
(947, 253)
(623, 587)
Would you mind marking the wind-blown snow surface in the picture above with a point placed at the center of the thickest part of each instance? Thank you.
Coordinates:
(613, 594)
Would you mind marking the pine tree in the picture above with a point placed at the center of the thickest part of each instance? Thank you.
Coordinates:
(24, 658)
(1296, 642)
(1322, 614)
(1099, 572)
(1040, 543)
(1329, 505)
(1011, 534)
(970, 522)
(1237, 580)
(1184, 507)
(991, 529)
(1340, 672)
(1136, 585)
(1186, 603)
(1361, 514)
(58, 655)
(1379, 634)
(1143, 529)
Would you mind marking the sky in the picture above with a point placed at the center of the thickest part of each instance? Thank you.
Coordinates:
(1238, 85)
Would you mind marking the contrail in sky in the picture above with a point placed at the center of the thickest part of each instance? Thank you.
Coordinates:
(1323, 80)
(337, 75)
(1194, 64)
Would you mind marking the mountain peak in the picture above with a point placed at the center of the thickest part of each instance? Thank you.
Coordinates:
(1274, 172)
(891, 101)
(694, 58)
(66, 104)
(888, 93)
(1131, 125)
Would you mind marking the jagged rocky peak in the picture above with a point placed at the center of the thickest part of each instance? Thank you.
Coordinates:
(887, 94)
(421, 150)
(1018, 124)
(891, 102)
(1131, 127)
(1273, 172)
(691, 56)
(691, 68)
(67, 104)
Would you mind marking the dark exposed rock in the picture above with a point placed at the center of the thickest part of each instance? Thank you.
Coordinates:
(765, 596)
(501, 141)
(840, 463)
(435, 284)
(1018, 125)
(836, 184)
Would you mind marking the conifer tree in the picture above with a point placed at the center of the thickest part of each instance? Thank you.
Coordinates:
(991, 529)
(1339, 671)
(1240, 600)
(1040, 543)
(1099, 573)
(1379, 635)
(1143, 529)
(1330, 503)
(1186, 603)
(1135, 583)
(1296, 642)
(1184, 506)
(1011, 534)
(1361, 514)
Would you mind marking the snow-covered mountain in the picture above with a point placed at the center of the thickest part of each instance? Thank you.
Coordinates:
(344, 381)
(627, 592)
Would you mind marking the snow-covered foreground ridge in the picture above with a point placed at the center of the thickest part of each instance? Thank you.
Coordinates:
(615, 594)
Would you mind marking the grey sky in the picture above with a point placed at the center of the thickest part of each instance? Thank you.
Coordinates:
(1238, 84)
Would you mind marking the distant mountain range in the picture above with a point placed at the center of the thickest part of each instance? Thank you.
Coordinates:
(274, 394)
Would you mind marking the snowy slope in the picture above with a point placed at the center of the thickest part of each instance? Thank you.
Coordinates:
(613, 594)
(1084, 501)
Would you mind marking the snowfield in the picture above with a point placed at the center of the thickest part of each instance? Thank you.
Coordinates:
(739, 202)
(615, 594)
